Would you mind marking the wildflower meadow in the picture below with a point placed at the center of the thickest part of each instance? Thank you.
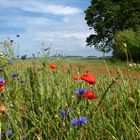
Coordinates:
(60, 99)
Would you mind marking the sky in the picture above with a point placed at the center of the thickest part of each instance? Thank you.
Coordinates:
(59, 24)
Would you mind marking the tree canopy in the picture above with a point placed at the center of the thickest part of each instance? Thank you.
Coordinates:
(107, 17)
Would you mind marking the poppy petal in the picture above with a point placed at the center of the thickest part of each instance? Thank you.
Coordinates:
(89, 95)
(88, 77)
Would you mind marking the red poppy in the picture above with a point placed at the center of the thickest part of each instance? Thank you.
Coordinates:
(88, 77)
(52, 66)
(2, 85)
(89, 95)
(1, 88)
(76, 77)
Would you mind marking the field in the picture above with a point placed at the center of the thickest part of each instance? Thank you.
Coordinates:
(42, 102)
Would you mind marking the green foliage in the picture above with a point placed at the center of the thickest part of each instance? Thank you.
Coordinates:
(106, 17)
(33, 108)
(132, 39)
(7, 47)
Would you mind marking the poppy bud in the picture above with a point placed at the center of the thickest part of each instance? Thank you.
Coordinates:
(52, 66)
(76, 77)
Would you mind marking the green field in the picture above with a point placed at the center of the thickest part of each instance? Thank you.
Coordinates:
(34, 105)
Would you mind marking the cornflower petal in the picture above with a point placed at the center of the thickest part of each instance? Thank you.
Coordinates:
(2, 80)
(10, 132)
(67, 113)
(80, 91)
(74, 122)
(77, 91)
(15, 75)
(1, 69)
(83, 120)
(62, 113)
(83, 91)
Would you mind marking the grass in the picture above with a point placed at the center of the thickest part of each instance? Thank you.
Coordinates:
(32, 109)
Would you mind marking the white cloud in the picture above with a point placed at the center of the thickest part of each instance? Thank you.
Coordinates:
(68, 36)
(67, 32)
(38, 6)
(52, 9)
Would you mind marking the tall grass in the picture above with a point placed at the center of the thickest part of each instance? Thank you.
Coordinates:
(33, 106)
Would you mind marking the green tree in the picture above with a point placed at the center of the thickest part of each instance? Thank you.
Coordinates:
(132, 39)
(106, 17)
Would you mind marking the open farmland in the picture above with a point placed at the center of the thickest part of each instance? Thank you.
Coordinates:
(42, 101)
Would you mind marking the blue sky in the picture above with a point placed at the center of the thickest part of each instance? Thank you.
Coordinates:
(57, 22)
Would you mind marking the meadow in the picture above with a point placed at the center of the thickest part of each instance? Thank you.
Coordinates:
(42, 99)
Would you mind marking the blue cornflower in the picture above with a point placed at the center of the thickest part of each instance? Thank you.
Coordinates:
(2, 80)
(46, 49)
(1, 69)
(15, 75)
(11, 41)
(64, 113)
(3, 135)
(33, 54)
(6, 55)
(10, 62)
(67, 113)
(80, 121)
(81, 91)
(74, 122)
(59, 54)
(17, 35)
(9, 133)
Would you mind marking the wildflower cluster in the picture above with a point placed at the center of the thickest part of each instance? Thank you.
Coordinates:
(8, 134)
(84, 93)
(64, 113)
(79, 122)
(2, 84)
(89, 78)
